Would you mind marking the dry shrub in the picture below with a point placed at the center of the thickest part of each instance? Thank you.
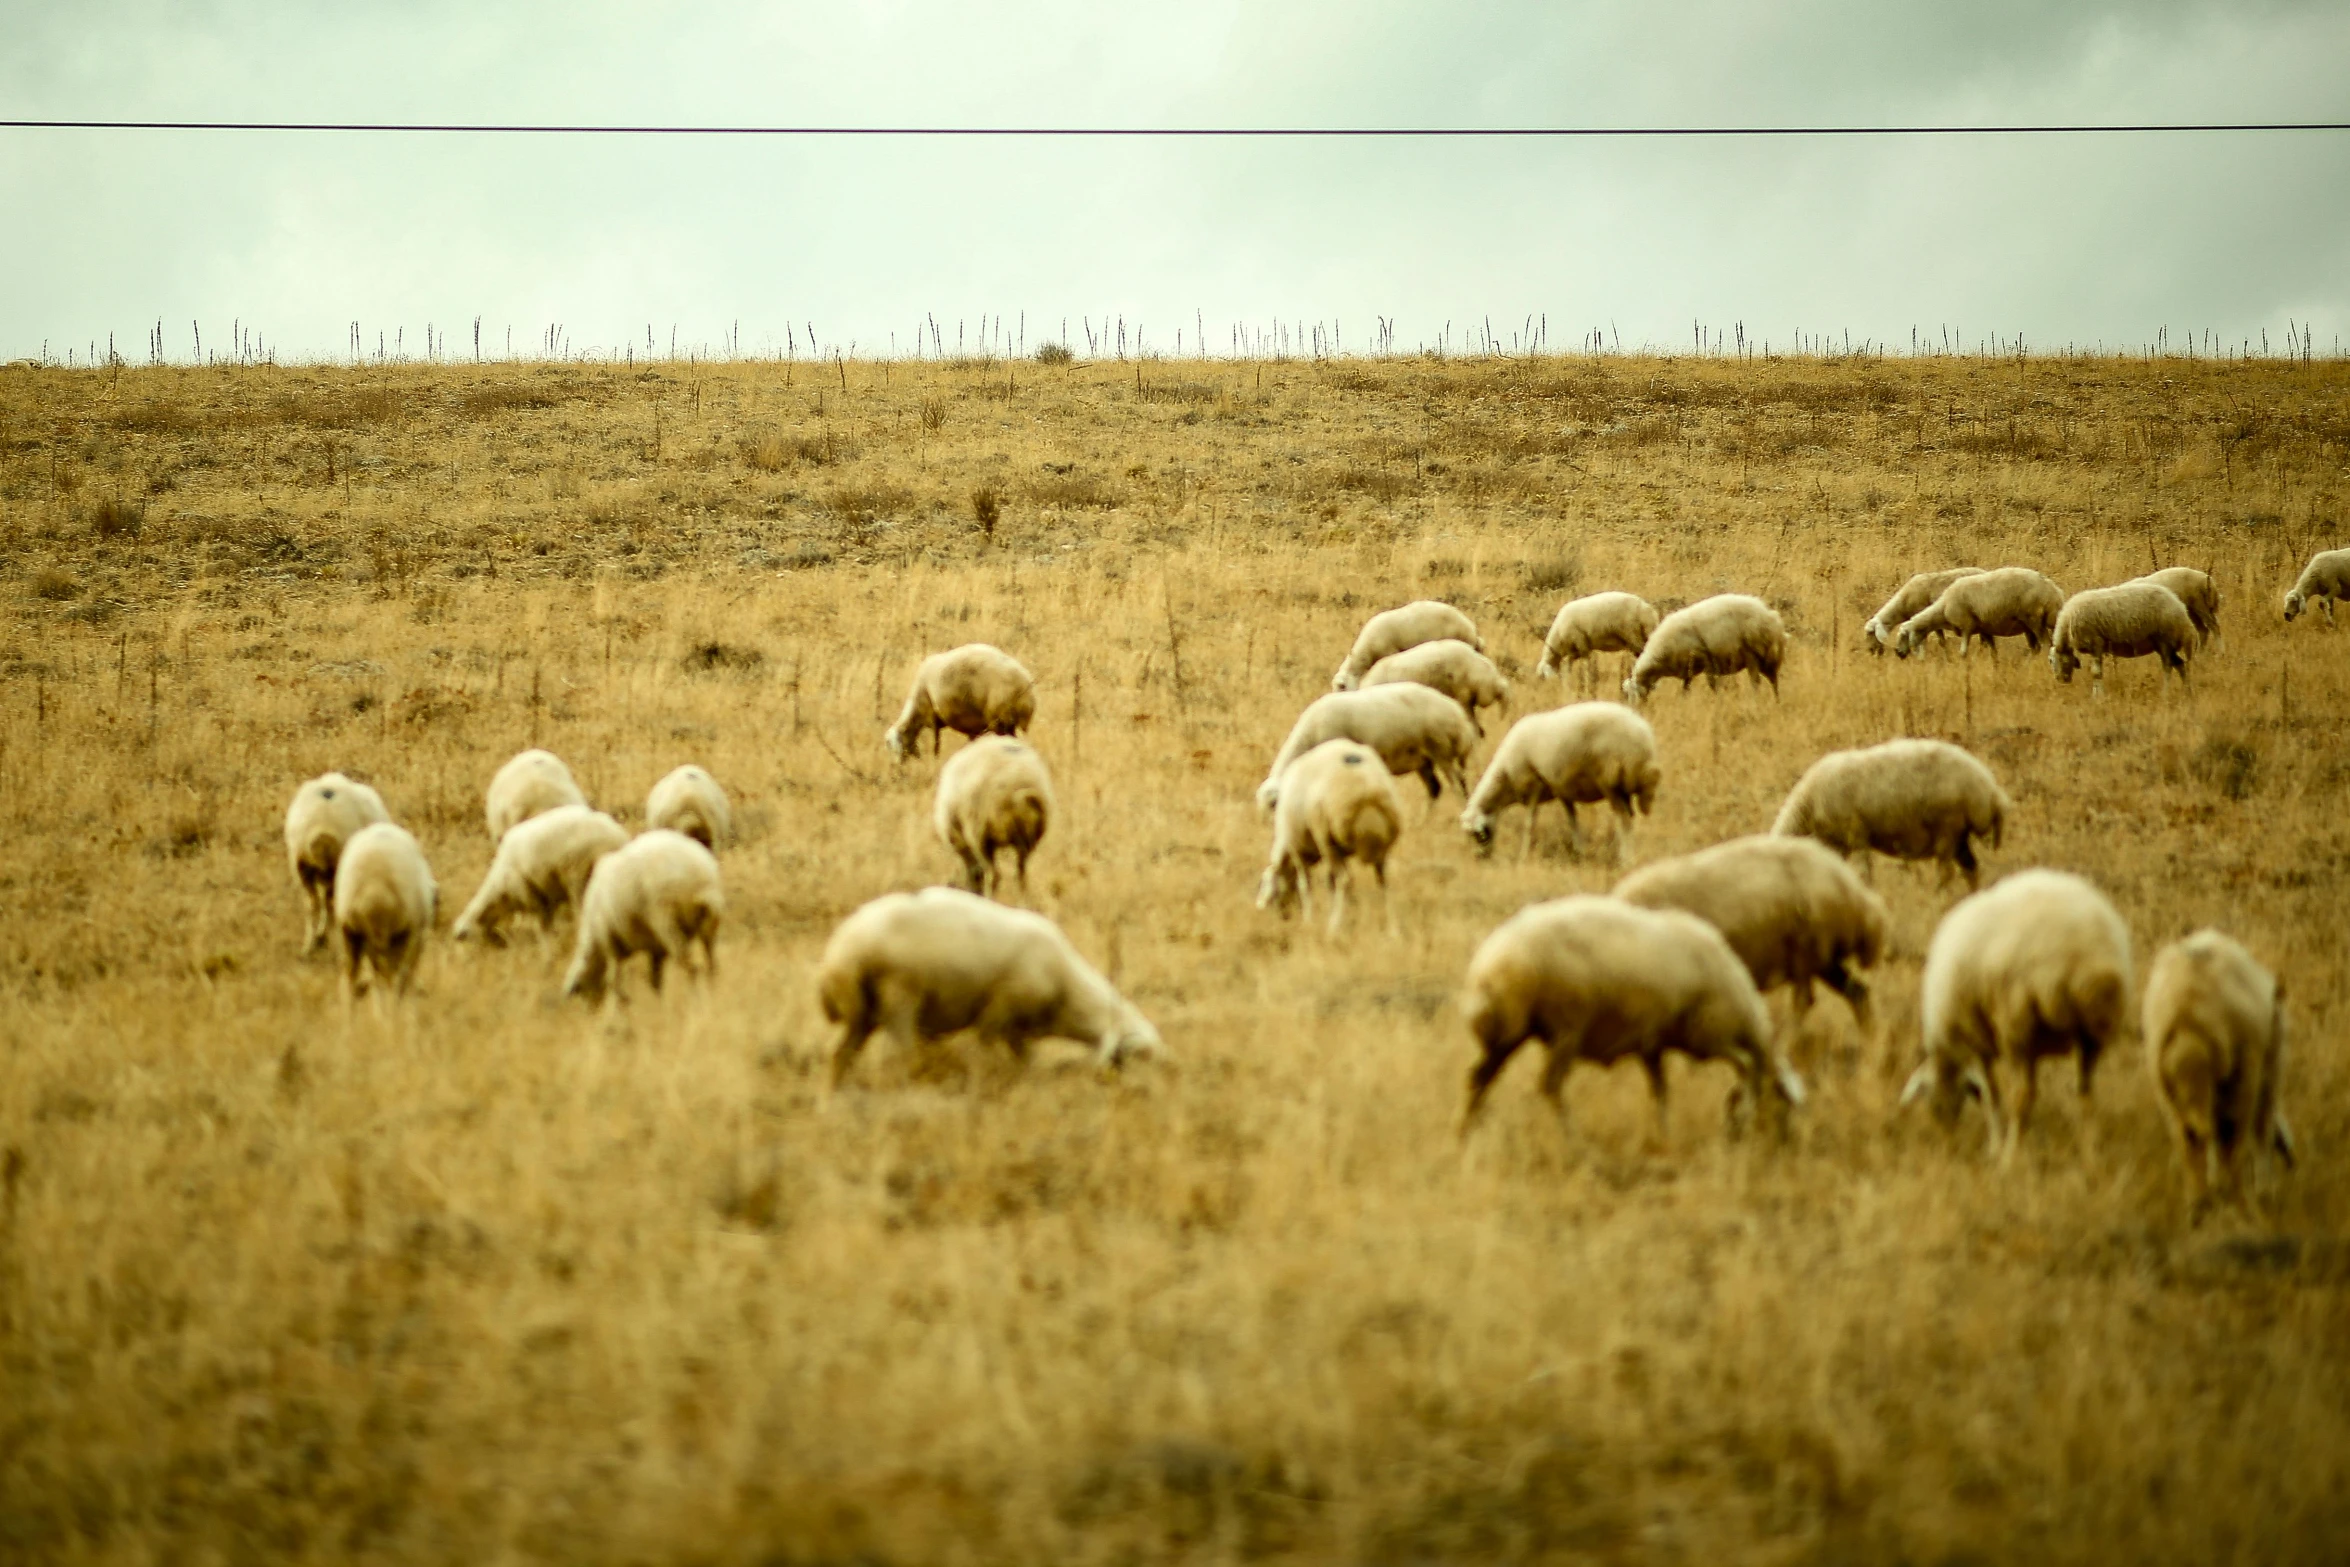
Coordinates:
(1070, 490)
(1556, 572)
(715, 657)
(1054, 354)
(118, 519)
(481, 402)
(54, 585)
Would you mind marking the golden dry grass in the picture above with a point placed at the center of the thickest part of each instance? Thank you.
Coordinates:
(483, 1276)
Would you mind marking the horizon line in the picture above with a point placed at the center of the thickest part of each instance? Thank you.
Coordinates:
(1430, 132)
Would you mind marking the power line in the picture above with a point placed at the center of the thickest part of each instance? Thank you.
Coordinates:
(1202, 132)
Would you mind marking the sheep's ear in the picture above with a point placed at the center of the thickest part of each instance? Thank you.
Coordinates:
(1921, 1083)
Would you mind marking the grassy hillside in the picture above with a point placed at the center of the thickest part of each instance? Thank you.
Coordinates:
(482, 1275)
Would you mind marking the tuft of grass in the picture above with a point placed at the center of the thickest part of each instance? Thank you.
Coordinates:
(986, 507)
(56, 586)
(1054, 354)
(118, 519)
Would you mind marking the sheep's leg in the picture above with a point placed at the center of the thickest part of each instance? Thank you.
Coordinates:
(2025, 1098)
(354, 955)
(1964, 855)
(1659, 1140)
(852, 1039)
(1020, 858)
(1338, 882)
(658, 959)
(1574, 829)
(1481, 1079)
(1527, 852)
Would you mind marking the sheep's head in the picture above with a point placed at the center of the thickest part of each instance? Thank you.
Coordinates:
(2295, 602)
(1479, 826)
(2063, 660)
(1905, 642)
(1548, 669)
(1133, 1035)
(1945, 1085)
(1633, 691)
(1345, 680)
(586, 976)
(895, 738)
(1268, 796)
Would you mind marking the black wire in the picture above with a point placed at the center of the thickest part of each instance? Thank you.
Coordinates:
(1422, 131)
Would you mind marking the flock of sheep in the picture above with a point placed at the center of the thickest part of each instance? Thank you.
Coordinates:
(1676, 958)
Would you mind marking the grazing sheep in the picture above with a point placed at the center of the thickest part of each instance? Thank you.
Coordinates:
(1594, 624)
(1413, 728)
(2214, 1022)
(1596, 979)
(324, 814)
(1392, 631)
(542, 865)
(1580, 754)
(1792, 911)
(1911, 799)
(688, 800)
(2129, 621)
(2197, 592)
(2037, 966)
(1911, 597)
(1713, 637)
(385, 904)
(1450, 666)
(2326, 578)
(2014, 601)
(993, 795)
(657, 894)
(532, 782)
(923, 965)
(1338, 803)
(973, 690)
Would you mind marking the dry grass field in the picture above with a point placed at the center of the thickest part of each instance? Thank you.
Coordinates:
(484, 1276)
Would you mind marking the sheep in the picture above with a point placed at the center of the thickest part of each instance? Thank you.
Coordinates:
(2036, 966)
(1580, 754)
(688, 800)
(993, 795)
(2129, 621)
(532, 782)
(1911, 799)
(2197, 592)
(2214, 1022)
(1338, 803)
(974, 690)
(1712, 637)
(324, 814)
(542, 865)
(1448, 665)
(922, 965)
(1394, 630)
(385, 905)
(2326, 578)
(1907, 600)
(1413, 728)
(1594, 624)
(1597, 979)
(657, 894)
(2014, 601)
(1792, 911)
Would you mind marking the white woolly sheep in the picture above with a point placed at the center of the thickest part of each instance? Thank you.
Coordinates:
(2130, 621)
(1580, 754)
(542, 865)
(1792, 911)
(1448, 665)
(1713, 637)
(385, 904)
(1907, 600)
(2038, 965)
(2214, 1022)
(2014, 601)
(1413, 728)
(974, 690)
(324, 814)
(1594, 624)
(1392, 631)
(1338, 803)
(688, 800)
(922, 965)
(658, 894)
(2326, 579)
(532, 782)
(2197, 592)
(1911, 799)
(993, 795)
(1596, 979)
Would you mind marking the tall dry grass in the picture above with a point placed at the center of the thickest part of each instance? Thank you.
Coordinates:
(485, 1276)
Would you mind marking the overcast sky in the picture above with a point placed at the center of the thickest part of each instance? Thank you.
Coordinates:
(2090, 239)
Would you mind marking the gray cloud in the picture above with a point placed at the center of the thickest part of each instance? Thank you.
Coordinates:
(2098, 239)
